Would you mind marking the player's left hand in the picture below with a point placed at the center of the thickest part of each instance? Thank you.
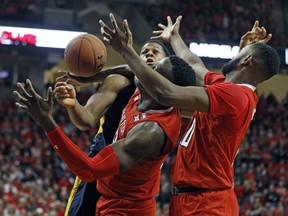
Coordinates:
(168, 31)
(28, 100)
(256, 35)
(71, 78)
(121, 41)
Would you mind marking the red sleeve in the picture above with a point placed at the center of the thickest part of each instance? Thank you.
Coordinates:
(227, 99)
(105, 163)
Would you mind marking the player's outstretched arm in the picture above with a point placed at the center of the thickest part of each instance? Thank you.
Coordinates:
(140, 143)
(163, 91)
(170, 33)
(37, 107)
(256, 35)
(88, 116)
(65, 94)
(118, 157)
(70, 77)
(40, 110)
(114, 158)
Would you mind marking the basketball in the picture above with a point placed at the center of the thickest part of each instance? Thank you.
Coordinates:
(85, 55)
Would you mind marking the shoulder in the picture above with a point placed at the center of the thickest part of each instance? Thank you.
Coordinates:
(226, 91)
(115, 82)
(151, 128)
(147, 137)
(227, 98)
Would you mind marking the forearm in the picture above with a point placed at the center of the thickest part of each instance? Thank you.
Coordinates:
(81, 118)
(183, 51)
(104, 164)
(146, 75)
(48, 123)
(123, 70)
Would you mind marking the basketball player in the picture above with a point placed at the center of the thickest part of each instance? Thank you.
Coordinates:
(203, 172)
(128, 171)
(108, 101)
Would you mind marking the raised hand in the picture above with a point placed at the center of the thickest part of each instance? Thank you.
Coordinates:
(168, 31)
(256, 35)
(38, 108)
(121, 41)
(65, 94)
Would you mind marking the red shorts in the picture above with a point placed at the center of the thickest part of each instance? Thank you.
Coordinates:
(216, 203)
(123, 207)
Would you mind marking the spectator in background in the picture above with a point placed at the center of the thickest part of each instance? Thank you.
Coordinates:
(214, 20)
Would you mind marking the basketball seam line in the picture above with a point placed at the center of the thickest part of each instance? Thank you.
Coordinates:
(95, 61)
(79, 53)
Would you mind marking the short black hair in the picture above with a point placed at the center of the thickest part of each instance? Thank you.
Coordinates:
(182, 72)
(164, 44)
(269, 58)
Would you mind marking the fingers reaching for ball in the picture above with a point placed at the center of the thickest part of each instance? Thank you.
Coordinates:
(120, 39)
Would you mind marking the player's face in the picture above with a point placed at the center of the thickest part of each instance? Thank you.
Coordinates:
(233, 64)
(163, 67)
(230, 66)
(151, 53)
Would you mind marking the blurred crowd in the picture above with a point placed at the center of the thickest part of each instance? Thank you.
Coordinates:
(30, 11)
(34, 181)
(203, 20)
(218, 20)
(20, 10)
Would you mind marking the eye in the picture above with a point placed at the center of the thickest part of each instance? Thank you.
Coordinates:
(143, 52)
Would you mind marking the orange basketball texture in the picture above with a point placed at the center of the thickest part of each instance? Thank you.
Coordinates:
(85, 55)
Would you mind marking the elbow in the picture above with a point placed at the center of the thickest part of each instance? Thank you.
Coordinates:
(88, 126)
(85, 175)
(164, 98)
(82, 128)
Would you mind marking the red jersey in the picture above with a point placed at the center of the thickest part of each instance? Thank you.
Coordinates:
(142, 181)
(209, 146)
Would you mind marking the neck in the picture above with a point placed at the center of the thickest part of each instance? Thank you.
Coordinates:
(241, 77)
(146, 102)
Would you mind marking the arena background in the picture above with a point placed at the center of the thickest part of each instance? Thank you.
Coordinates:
(34, 181)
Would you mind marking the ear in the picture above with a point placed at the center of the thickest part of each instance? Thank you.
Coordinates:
(246, 60)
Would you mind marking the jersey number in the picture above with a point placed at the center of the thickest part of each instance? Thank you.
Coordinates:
(188, 135)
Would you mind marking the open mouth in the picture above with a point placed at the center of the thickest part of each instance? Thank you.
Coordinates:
(150, 62)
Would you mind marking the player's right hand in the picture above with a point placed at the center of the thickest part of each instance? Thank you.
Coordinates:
(256, 35)
(120, 39)
(65, 94)
(69, 77)
(167, 32)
